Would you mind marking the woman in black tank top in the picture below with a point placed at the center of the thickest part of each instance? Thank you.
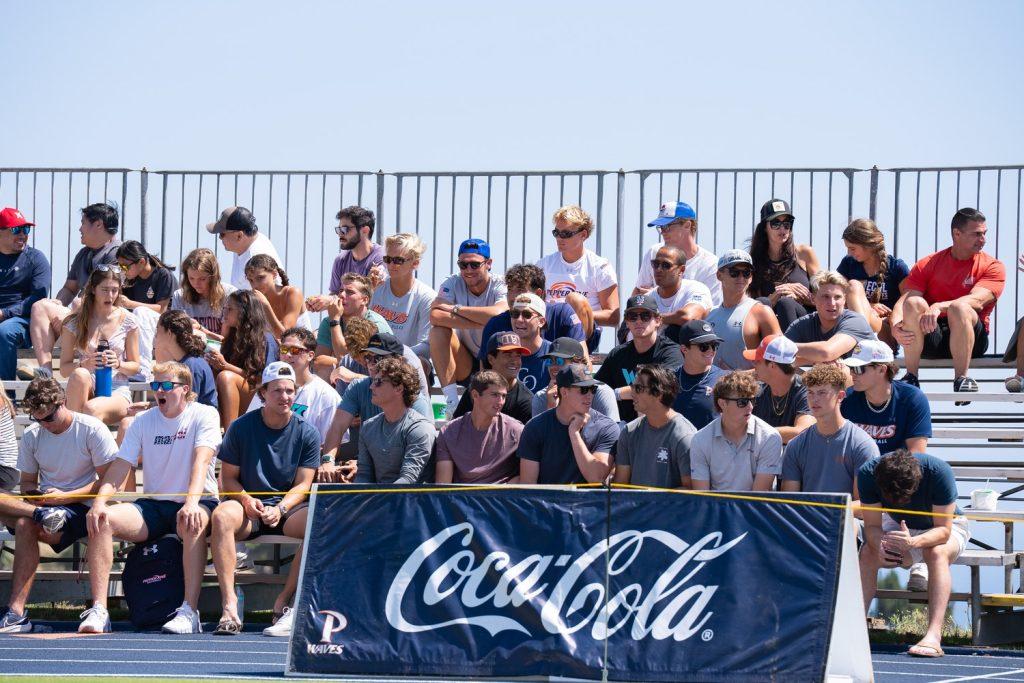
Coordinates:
(782, 268)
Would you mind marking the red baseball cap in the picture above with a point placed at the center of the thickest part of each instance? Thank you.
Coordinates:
(774, 347)
(12, 218)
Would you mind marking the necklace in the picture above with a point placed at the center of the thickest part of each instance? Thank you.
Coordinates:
(698, 382)
(879, 410)
(779, 407)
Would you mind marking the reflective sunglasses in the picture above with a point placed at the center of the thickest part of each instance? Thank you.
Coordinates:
(166, 385)
(522, 313)
(21, 230)
(556, 360)
(565, 234)
(115, 268)
(290, 350)
(341, 230)
(662, 265)
(706, 346)
(779, 224)
(740, 402)
(397, 260)
(644, 317)
(741, 272)
(475, 265)
(588, 390)
(48, 418)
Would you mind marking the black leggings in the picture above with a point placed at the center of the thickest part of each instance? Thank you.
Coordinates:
(787, 309)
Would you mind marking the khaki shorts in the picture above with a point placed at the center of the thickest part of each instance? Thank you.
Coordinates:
(960, 533)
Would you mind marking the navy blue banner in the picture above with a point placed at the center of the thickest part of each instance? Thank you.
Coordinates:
(527, 582)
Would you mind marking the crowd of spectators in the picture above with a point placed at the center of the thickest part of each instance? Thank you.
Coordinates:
(702, 390)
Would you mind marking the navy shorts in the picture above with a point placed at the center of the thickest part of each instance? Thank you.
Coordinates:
(75, 527)
(261, 529)
(161, 516)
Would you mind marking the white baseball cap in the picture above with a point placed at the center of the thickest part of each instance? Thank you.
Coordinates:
(867, 352)
(531, 301)
(277, 370)
(774, 347)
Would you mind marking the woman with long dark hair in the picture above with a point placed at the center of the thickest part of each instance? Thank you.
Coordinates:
(101, 334)
(283, 304)
(148, 280)
(875, 276)
(782, 268)
(202, 294)
(248, 348)
(176, 340)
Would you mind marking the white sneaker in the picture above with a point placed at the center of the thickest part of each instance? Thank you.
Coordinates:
(96, 619)
(184, 621)
(918, 581)
(283, 627)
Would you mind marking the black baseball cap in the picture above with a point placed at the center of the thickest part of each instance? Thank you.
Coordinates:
(697, 332)
(384, 344)
(233, 218)
(774, 208)
(575, 375)
(565, 347)
(644, 302)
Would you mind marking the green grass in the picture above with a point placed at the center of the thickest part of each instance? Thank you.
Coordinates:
(65, 611)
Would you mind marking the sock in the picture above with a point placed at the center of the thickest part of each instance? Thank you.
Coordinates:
(451, 392)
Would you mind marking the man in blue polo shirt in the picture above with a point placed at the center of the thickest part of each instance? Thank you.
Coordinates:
(24, 280)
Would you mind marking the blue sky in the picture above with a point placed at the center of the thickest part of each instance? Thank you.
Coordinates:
(524, 85)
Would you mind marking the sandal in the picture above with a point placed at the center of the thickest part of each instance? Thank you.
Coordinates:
(925, 650)
(228, 626)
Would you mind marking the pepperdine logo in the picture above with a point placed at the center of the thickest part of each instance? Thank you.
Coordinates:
(464, 577)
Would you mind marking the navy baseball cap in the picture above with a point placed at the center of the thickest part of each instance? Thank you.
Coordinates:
(643, 302)
(475, 246)
(672, 211)
(697, 332)
(384, 344)
(565, 347)
(575, 376)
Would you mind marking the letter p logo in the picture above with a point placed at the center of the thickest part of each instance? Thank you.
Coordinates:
(333, 623)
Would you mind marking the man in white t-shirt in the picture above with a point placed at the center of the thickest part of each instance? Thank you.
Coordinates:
(62, 455)
(315, 400)
(240, 235)
(579, 277)
(176, 442)
(677, 222)
(679, 299)
(465, 302)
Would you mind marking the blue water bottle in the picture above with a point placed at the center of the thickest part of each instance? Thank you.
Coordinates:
(104, 374)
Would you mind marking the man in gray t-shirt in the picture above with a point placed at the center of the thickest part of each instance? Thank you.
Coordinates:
(825, 457)
(654, 449)
(831, 331)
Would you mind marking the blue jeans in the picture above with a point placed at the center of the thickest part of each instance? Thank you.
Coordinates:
(13, 336)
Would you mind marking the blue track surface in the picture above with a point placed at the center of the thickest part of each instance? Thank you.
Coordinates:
(251, 655)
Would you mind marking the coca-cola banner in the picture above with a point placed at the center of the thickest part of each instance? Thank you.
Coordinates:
(533, 582)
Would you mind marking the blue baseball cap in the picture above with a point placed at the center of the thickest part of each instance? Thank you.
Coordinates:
(475, 246)
(672, 211)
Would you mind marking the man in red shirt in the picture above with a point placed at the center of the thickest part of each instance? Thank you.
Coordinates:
(946, 303)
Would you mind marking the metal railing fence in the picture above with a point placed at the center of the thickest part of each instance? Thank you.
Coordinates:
(167, 211)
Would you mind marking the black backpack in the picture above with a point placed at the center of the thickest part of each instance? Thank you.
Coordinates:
(154, 582)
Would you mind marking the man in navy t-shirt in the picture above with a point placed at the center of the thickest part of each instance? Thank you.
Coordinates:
(698, 344)
(24, 280)
(894, 414)
(914, 482)
(570, 443)
(270, 449)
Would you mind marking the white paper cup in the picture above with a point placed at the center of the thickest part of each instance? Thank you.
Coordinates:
(984, 499)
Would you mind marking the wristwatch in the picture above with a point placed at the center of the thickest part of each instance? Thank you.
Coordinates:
(326, 459)
(283, 508)
(455, 310)
(333, 323)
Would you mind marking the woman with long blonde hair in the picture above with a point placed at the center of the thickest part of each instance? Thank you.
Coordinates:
(100, 322)
(875, 276)
(202, 293)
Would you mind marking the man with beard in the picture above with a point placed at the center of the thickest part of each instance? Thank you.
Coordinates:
(359, 254)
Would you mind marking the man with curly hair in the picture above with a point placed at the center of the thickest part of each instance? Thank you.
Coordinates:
(395, 446)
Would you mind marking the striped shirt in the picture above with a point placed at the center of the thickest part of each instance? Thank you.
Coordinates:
(8, 442)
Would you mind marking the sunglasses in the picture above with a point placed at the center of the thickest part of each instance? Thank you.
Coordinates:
(706, 346)
(21, 230)
(166, 385)
(740, 402)
(640, 388)
(291, 350)
(588, 390)
(116, 268)
(475, 265)
(397, 260)
(662, 265)
(565, 234)
(48, 418)
(779, 224)
(523, 313)
(556, 360)
(644, 317)
(341, 230)
(377, 381)
(741, 272)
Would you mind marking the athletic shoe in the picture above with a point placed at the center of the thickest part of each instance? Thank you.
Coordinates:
(282, 628)
(12, 622)
(52, 519)
(96, 619)
(918, 581)
(185, 620)
(911, 379)
(42, 371)
(25, 373)
(964, 384)
(1015, 384)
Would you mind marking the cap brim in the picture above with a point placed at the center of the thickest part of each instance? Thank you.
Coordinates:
(585, 383)
(557, 354)
(213, 229)
(736, 262)
(750, 354)
(853, 362)
(521, 349)
(658, 222)
(377, 352)
(704, 338)
(780, 213)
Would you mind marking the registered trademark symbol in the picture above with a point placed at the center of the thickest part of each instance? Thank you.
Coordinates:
(707, 635)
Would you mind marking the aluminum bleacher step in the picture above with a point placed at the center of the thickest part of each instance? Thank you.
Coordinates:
(979, 397)
(1000, 433)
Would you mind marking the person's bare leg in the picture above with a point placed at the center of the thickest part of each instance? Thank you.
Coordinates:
(226, 523)
(109, 410)
(583, 311)
(229, 386)
(78, 389)
(962, 319)
(294, 527)
(443, 341)
(43, 331)
(913, 308)
(940, 584)
(857, 301)
(193, 548)
(1020, 349)
(12, 508)
(26, 562)
(125, 522)
(870, 562)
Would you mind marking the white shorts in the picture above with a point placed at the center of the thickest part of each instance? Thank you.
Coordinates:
(960, 533)
(119, 390)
